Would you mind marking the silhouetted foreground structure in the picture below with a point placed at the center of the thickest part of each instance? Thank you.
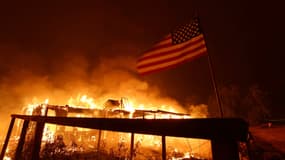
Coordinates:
(223, 133)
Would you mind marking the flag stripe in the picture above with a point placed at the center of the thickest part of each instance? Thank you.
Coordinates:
(183, 53)
(171, 64)
(171, 48)
(166, 42)
(169, 54)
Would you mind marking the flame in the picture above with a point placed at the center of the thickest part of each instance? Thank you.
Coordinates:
(131, 105)
(49, 134)
(29, 108)
(7, 158)
(82, 101)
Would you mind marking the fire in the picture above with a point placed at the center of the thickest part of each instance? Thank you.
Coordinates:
(111, 80)
(82, 101)
(7, 157)
(49, 134)
(121, 107)
(86, 102)
(129, 106)
(30, 108)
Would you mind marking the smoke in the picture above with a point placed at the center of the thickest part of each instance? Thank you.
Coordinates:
(199, 111)
(27, 77)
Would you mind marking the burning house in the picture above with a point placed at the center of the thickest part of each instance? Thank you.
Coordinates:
(117, 130)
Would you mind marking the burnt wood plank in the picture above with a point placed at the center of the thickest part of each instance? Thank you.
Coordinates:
(21, 140)
(7, 138)
(207, 128)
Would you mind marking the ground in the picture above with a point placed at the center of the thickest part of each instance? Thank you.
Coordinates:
(268, 142)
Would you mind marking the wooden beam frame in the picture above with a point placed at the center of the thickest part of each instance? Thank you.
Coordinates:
(224, 133)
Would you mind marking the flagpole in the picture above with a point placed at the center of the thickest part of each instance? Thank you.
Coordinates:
(213, 78)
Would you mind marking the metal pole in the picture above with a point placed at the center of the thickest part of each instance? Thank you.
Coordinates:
(215, 86)
(213, 78)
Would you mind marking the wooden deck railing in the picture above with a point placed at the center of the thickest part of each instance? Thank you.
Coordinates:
(223, 133)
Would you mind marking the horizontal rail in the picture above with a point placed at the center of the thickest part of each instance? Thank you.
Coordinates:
(206, 128)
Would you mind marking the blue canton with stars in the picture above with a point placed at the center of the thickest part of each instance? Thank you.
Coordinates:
(186, 32)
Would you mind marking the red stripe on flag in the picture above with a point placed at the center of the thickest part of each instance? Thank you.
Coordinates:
(183, 54)
(160, 54)
(172, 66)
(160, 46)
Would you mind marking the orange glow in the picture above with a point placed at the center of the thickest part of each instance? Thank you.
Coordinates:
(148, 109)
(130, 105)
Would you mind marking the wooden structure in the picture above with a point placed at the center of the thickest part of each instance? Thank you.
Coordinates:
(223, 133)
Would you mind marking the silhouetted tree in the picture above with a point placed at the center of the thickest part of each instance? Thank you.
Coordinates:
(256, 101)
(250, 104)
(231, 101)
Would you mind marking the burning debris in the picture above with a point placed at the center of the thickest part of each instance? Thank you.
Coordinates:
(125, 138)
(63, 142)
(111, 108)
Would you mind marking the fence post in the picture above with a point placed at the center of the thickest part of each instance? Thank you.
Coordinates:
(163, 148)
(224, 149)
(38, 139)
(132, 146)
(7, 138)
(22, 140)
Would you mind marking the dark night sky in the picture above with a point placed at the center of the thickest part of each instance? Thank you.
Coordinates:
(244, 38)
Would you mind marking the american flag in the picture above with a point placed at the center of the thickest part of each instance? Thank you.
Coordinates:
(183, 44)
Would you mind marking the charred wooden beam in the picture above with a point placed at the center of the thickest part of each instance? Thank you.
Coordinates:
(163, 147)
(132, 146)
(38, 140)
(225, 149)
(70, 109)
(142, 113)
(207, 128)
(21, 140)
(7, 138)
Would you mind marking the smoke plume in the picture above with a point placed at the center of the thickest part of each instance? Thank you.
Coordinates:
(29, 77)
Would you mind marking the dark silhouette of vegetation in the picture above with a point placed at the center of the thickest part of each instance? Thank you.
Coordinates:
(251, 104)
